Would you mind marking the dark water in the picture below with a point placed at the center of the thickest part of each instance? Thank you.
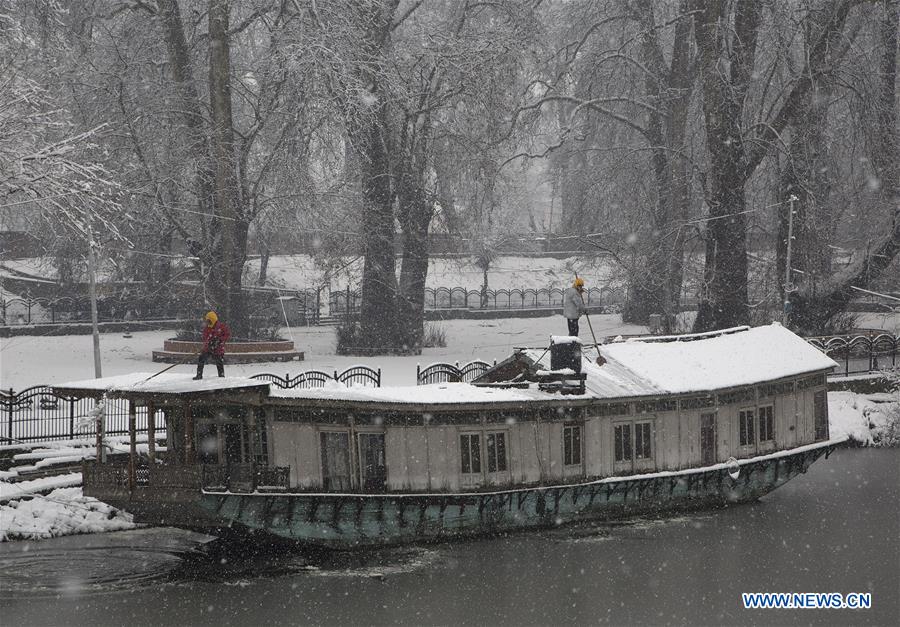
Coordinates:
(835, 529)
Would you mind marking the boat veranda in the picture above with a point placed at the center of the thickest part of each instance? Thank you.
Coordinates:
(543, 438)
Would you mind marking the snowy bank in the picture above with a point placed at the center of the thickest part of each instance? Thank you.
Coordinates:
(65, 511)
(868, 419)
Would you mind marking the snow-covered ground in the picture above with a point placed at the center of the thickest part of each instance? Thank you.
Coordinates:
(30, 360)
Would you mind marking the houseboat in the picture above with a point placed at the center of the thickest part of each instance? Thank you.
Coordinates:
(543, 438)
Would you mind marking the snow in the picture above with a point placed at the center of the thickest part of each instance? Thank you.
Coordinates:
(564, 339)
(739, 357)
(864, 418)
(10, 491)
(166, 383)
(65, 511)
(436, 393)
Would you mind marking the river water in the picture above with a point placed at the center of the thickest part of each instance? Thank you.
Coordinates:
(835, 529)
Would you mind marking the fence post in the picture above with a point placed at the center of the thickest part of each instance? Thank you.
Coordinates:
(348, 305)
(71, 418)
(9, 434)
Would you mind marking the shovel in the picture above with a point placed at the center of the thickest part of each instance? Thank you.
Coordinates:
(180, 363)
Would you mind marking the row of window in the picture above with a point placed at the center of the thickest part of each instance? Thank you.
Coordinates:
(470, 450)
(487, 451)
(633, 441)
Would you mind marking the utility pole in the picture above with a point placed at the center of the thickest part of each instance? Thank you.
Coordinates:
(92, 283)
(786, 308)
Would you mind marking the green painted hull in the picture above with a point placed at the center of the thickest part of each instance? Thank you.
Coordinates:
(346, 521)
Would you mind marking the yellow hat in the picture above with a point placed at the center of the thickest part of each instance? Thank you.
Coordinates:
(211, 318)
(579, 282)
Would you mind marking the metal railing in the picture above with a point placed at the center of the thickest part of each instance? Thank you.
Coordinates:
(36, 414)
(462, 298)
(861, 353)
(451, 373)
(233, 477)
(353, 376)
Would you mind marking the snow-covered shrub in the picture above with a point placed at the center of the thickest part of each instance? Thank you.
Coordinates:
(348, 338)
(434, 336)
(889, 433)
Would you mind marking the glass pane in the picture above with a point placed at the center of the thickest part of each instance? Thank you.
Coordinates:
(576, 445)
(476, 453)
(500, 447)
(642, 441)
(491, 452)
(465, 455)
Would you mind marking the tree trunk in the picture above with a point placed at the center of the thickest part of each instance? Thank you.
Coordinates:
(264, 254)
(724, 301)
(415, 218)
(227, 270)
(378, 322)
(197, 135)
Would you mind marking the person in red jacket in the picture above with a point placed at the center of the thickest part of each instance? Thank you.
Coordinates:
(215, 334)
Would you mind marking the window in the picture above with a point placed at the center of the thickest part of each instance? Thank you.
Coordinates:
(496, 451)
(623, 451)
(642, 449)
(633, 441)
(766, 423)
(745, 417)
(470, 452)
(820, 415)
(572, 445)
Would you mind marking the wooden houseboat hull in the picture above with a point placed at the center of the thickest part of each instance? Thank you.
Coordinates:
(347, 521)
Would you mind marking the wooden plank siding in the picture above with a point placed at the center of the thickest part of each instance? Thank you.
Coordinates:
(422, 450)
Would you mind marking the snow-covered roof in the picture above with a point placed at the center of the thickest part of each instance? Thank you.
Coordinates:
(730, 358)
(703, 362)
(432, 394)
(166, 383)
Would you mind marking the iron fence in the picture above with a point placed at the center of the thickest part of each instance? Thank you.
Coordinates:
(21, 311)
(355, 375)
(36, 414)
(860, 354)
(344, 301)
(451, 373)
